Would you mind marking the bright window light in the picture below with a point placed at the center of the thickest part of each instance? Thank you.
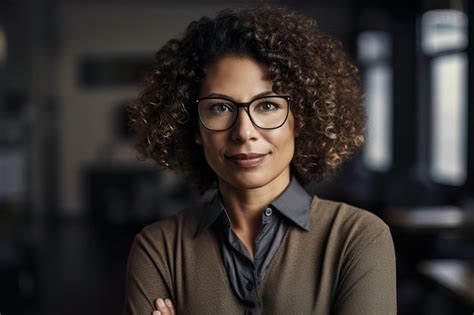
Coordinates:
(443, 30)
(374, 53)
(373, 46)
(449, 119)
(378, 150)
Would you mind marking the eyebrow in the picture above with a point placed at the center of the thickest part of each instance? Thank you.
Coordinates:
(229, 97)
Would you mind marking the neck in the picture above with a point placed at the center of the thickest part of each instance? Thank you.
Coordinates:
(245, 206)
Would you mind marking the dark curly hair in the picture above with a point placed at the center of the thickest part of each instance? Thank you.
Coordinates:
(300, 59)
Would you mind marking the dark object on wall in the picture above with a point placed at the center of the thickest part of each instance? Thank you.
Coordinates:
(13, 102)
(18, 274)
(123, 195)
(97, 72)
(121, 121)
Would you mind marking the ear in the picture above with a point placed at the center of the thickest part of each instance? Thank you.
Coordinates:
(296, 130)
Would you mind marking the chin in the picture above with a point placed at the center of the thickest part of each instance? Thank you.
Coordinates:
(249, 180)
(248, 184)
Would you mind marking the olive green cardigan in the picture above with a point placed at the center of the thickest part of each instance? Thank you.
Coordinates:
(344, 264)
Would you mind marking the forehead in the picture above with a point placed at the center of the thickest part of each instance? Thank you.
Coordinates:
(235, 76)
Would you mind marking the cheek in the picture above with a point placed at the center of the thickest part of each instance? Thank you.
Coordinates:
(285, 144)
(285, 136)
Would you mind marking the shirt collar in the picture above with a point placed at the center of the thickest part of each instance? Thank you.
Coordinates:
(210, 213)
(294, 203)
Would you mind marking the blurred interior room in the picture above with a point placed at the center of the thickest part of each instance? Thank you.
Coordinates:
(73, 192)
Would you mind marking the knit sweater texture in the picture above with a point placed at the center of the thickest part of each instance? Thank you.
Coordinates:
(344, 264)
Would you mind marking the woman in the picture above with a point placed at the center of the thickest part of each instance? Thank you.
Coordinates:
(259, 102)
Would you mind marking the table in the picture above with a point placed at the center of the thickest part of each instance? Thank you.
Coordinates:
(455, 275)
(430, 219)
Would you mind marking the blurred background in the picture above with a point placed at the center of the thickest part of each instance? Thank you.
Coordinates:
(73, 193)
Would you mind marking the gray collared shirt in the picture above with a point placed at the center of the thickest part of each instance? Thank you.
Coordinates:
(244, 272)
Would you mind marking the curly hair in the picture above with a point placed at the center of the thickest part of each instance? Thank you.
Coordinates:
(324, 85)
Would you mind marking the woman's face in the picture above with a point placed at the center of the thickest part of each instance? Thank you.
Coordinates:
(229, 153)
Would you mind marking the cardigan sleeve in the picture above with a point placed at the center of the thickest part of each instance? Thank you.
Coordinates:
(368, 281)
(147, 276)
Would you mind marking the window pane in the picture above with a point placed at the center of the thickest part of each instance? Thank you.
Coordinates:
(12, 175)
(378, 102)
(449, 99)
(374, 53)
(442, 30)
(373, 46)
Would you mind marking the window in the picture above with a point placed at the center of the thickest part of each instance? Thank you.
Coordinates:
(374, 50)
(443, 43)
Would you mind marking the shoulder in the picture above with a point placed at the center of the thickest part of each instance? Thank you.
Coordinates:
(361, 249)
(345, 215)
(356, 227)
(350, 214)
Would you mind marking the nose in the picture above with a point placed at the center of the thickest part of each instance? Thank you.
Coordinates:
(243, 129)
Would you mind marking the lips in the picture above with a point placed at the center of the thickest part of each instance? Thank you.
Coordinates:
(247, 160)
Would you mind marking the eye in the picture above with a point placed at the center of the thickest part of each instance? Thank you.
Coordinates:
(221, 108)
(267, 107)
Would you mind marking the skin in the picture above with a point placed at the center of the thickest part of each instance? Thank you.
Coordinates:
(164, 307)
(246, 192)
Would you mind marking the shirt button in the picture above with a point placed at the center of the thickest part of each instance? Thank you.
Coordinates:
(268, 212)
(249, 285)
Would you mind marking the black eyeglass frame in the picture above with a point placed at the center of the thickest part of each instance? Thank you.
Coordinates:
(246, 106)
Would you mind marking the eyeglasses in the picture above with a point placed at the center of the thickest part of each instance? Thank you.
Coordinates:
(267, 112)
